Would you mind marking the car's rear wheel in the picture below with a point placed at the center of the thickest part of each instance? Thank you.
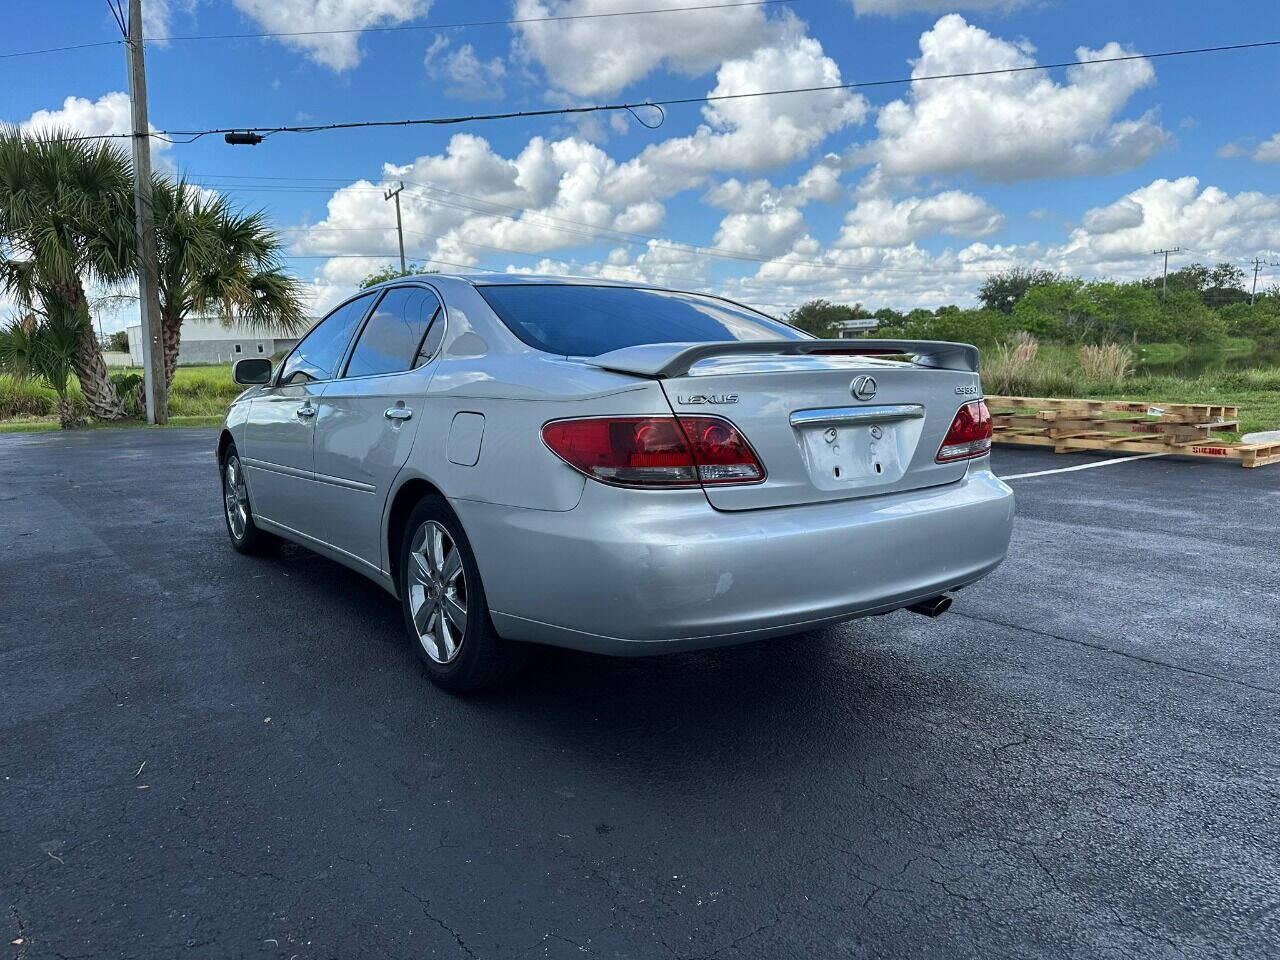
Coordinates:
(245, 535)
(444, 604)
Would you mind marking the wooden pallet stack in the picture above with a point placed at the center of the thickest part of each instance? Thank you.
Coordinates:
(1181, 429)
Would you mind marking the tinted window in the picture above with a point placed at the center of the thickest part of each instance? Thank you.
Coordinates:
(318, 355)
(395, 335)
(586, 321)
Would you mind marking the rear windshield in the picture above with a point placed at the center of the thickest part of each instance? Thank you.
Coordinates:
(585, 321)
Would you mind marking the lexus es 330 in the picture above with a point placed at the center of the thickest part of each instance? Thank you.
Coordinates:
(622, 469)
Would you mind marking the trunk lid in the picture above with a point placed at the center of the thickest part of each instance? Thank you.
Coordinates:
(828, 427)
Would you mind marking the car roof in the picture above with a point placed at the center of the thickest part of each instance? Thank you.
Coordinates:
(514, 279)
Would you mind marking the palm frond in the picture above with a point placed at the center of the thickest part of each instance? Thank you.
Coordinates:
(220, 260)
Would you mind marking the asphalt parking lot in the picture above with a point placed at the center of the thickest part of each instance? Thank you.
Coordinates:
(209, 755)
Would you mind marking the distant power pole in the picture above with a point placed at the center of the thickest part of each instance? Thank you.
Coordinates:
(148, 293)
(1258, 264)
(1164, 287)
(399, 227)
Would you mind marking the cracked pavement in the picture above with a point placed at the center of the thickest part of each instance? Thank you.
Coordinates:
(1079, 760)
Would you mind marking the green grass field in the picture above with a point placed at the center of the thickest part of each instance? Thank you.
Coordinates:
(201, 395)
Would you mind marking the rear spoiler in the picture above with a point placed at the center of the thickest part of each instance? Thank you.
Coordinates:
(666, 360)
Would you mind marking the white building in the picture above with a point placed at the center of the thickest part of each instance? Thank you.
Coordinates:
(208, 340)
(848, 329)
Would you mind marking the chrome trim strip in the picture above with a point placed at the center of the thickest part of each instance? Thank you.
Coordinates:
(344, 482)
(309, 475)
(847, 415)
(277, 468)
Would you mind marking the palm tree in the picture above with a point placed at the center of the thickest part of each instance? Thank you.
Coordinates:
(66, 222)
(43, 348)
(216, 259)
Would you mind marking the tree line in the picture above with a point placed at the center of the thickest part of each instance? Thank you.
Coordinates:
(1197, 304)
(67, 230)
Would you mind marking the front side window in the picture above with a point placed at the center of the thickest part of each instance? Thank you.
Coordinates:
(317, 356)
(577, 320)
(396, 336)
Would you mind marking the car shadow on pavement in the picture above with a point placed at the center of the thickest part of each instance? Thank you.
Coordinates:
(823, 696)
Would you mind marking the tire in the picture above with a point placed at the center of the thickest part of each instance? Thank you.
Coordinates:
(237, 513)
(445, 610)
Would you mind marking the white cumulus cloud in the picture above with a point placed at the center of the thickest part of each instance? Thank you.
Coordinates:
(467, 76)
(157, 16)
(601, 56)
(109, 114)
(339, 51)
(1269, 151)
(881, 222)
(754, 133)
(1013, 126)
(1208, 220)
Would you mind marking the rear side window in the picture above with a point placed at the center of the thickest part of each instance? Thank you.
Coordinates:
(585, 321)
(317, 356)
(396, 337)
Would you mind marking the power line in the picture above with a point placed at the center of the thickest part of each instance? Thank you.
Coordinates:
(192, 135)
(74, 46)
(397, 28)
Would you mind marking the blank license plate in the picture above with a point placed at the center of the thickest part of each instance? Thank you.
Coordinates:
(840, 455)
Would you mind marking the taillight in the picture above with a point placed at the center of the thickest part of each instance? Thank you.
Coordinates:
(969, 435)
(720, 451)
(655, 451)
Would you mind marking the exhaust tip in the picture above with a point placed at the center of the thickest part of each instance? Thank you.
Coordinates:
(933, 607)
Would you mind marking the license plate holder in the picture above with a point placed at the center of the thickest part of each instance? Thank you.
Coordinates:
(840, 455)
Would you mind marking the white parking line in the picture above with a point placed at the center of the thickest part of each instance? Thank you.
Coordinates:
(1085, 466)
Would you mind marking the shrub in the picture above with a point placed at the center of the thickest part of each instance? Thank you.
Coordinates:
(1260, 323)
(983, 327)
(128, 390)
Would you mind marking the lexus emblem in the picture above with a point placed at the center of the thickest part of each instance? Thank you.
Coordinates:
(863, 388)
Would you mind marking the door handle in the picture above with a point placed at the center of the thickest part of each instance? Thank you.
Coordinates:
(397, 413)
(307, 410)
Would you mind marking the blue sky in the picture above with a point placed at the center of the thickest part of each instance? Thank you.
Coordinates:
(894, 195)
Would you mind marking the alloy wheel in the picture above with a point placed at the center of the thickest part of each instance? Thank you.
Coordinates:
(236, 495)
(437, 592)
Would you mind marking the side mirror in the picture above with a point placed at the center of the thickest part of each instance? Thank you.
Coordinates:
(251, 370)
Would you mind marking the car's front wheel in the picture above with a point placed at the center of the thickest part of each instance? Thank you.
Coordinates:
(245, 535)
(444, 604)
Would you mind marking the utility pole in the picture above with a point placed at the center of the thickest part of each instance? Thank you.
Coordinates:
(154, 387)
(1258, 264)
(399, 227)
(1164, 287)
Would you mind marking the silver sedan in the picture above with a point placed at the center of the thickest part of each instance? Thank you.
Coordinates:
(611, 467)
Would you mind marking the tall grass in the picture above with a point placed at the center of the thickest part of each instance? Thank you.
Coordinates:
(32, 398)
(1007, 368)
(202, 391)
(1106, 366)
(1021, 368)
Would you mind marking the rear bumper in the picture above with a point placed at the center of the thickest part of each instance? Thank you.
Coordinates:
(639, 572)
